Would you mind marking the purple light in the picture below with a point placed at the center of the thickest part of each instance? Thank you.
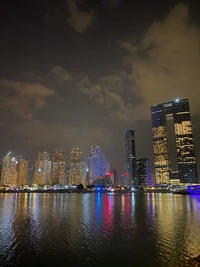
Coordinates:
(194, 189)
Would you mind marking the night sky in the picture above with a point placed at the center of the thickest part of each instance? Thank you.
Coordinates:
(75, 73)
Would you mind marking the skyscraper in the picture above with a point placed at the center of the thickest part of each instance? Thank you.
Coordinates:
(30, 175)
(22, 171)
(143, 172)
(76, 167)
(42, 171)
(9, 170)
(130, 156)
(97, 164)
(115, 176)
(58, 167)
(173, 142)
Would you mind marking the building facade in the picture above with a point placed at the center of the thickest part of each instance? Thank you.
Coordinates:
(130, 155)
(42, 170)
(97, 164)
(125, 179)
(9, 170)
(30, 175)
(173, 142)
(143, 172)
(76, 167)
(22, 171)
(58, 167)
(115, 177)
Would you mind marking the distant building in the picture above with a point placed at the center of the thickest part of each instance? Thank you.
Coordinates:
(76, 167)
(97, 164)
(42, 171)
(9, 170)
(67, 176)
(130, 155)
(108, 168)
(30, 175)
(84, 176)
(173, 142)
(115, 177)
(58, 167)
(143, 172)
(125, 179)
(104, 180)
(22, 171)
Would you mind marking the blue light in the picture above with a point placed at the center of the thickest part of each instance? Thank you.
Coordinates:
(177, 100)
(98, 188)
(194, 189)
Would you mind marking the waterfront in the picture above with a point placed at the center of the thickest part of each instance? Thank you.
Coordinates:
(98, 229)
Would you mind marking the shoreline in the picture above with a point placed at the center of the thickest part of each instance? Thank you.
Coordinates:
(61, 191)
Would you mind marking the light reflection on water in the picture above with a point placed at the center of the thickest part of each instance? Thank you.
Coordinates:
(95, 229)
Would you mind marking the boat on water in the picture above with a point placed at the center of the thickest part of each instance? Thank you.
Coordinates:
(181, 192)
(194, 189)
(186, 190)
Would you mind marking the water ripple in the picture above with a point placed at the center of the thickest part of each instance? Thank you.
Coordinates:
(97, 229)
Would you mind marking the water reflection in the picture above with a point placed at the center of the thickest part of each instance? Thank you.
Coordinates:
(95, 229)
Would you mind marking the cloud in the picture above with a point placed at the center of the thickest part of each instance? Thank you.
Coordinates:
(115, 2)
(166, 64)
(79, 20)
(61, 74)
(128, 46)
(22, 98)
(108, 91)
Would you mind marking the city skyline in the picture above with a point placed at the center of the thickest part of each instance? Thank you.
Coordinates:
(172, 141)
(56, 92)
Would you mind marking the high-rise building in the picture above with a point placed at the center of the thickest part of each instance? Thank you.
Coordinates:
(67, 175)
(143, 172)
(58, 167)
(22, 171)
(9, 170)
(107, 164)
(115, 175)
(42, 170)
(30, 175)
(97, 164)
(76, 167)
(130, 155)
(125, 179)
(173, 142)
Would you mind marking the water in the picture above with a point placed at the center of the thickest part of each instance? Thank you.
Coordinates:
(98, 229)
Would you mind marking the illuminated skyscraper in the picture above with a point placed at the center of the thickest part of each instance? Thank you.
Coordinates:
(22, 172)
(58, 167)
(9, 170)
(130, 157)
(143, 172)
(76, 167)
(42, 171)
(173, 142)
(97, 164)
